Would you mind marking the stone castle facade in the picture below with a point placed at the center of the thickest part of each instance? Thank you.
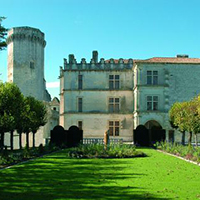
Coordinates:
(119, 95)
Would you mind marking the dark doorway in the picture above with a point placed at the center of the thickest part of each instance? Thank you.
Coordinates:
(156, 132)
(141, 136)
(149, 134)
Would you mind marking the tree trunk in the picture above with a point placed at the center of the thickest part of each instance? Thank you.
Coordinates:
(27, 140)
(190, 138)
(196, 140)
(183, 138)
(11, 139)
(2, 141)
(33, 139)
(20, 140)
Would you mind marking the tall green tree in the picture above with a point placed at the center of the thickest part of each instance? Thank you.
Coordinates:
(176, 117)
(10, 108)
(38, 117)
(186, 117)
(3, 33)
(33, 116)
(193, 118)
(24, 120)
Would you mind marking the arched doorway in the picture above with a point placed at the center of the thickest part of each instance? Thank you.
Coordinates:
(156, 132)
(149, 134)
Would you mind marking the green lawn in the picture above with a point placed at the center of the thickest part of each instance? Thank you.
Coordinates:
(158, 176)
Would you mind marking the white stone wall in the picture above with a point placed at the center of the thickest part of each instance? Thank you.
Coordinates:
(97, 80)
(94, 125)
(95, 95)
(98, 101)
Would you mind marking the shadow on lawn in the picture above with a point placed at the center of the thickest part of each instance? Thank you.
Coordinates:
(56, 177)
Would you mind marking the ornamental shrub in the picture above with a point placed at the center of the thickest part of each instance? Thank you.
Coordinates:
(99, 151)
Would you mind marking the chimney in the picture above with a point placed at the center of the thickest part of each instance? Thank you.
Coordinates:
(95, 56)
(71, 58)
(182, 56)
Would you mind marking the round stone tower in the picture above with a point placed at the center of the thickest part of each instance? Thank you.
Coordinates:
(26, 61)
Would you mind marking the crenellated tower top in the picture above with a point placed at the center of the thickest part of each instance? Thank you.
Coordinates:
(95, 64)
(29, 33)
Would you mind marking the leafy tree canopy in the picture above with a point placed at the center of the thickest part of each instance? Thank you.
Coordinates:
(3, 33)
(10, 106)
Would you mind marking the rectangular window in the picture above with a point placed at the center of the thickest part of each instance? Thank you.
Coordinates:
(149, 77)
(152, 102)
(80, 82)
(114, 82)
(114, 128)
(80, 104)
(155, 77)
(155, 102)
(152, 77)
(149, 102)
(111, 82)
(32, 66)
(113, 105)
(80, 125)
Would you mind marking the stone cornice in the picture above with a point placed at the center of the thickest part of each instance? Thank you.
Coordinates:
(94, 90)
(96, 113)
(151, 86)
(24, 33)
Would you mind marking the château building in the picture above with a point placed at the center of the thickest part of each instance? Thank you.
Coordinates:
(120, 95)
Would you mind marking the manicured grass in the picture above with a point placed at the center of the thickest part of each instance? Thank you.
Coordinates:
(158, 176)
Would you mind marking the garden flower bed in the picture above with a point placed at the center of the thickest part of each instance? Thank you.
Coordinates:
(188, 152)
(8, 157)
(100, 151)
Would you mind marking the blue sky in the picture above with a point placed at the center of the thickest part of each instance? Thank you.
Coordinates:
(116, 28)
